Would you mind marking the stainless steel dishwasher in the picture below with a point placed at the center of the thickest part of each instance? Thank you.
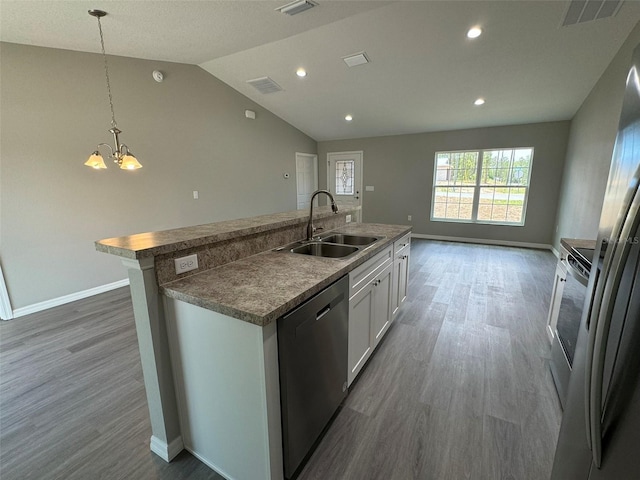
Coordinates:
(312, 351)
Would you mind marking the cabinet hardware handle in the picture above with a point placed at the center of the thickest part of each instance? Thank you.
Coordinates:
(323, 312)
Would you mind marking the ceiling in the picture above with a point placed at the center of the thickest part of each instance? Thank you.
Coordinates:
(423, 75)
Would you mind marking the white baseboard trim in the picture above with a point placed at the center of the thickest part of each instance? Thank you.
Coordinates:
(212, 466)
(484, 241)
(555, 252)
(72, 297)
(165, 451)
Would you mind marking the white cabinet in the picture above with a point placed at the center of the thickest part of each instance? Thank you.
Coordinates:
(370, 293)
(556, 294)
(400, 280)
(381, 318)
(361, 308)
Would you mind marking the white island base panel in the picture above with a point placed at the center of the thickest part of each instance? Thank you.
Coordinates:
(228, 391)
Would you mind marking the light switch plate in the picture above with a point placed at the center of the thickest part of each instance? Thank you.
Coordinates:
(186, 264)
(369, 188)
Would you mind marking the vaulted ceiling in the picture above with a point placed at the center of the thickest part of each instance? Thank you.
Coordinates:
(424, 73)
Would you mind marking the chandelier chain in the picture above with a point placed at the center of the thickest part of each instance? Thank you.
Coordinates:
(106, 73)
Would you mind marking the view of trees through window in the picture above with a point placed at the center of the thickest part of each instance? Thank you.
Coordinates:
(485, 186)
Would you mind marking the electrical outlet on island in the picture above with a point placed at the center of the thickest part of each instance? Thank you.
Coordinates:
(186, 264)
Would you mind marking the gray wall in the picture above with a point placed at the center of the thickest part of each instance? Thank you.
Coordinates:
(189, 132)
(401, 170)
(591, 140)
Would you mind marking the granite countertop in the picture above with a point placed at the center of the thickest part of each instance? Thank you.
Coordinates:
(570, 243)
(151, 244)
(263, 287)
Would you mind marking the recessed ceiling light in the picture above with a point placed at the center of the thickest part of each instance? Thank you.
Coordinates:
(301, 72)
(348, 118)
(479, 101)
(474, 32)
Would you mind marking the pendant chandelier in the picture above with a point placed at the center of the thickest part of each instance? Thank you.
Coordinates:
(121, 154)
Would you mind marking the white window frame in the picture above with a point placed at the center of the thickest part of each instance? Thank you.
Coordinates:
(479, 186)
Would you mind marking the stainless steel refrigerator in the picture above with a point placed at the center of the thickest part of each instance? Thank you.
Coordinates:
(600, 432)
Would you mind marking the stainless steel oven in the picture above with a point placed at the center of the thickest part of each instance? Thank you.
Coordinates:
(578, 265)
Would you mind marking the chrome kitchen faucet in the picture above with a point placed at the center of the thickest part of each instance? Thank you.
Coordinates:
(334, 207)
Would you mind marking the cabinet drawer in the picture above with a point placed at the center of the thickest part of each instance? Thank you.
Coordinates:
(360, 276)
(402, 244)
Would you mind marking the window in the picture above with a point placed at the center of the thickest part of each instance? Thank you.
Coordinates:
(482, 186)
(344, 177)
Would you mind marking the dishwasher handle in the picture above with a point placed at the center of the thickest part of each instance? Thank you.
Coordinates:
(309, 316)
(323, 312)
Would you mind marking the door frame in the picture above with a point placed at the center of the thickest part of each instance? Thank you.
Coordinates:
(359, 174)
(315, 171)
(6, 312)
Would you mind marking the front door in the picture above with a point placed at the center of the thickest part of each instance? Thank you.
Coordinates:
(344, 179)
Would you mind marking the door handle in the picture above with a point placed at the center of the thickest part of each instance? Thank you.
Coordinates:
(323, 312)
(601, 330)
(596, 301)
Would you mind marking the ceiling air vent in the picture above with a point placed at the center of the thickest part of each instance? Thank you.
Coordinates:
(265, 85)
(581, 11)
(356, 59)
(296, 7)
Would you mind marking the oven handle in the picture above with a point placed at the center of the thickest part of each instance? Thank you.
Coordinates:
(574, 270)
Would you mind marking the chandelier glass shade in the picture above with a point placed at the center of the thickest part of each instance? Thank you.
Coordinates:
(121, 155)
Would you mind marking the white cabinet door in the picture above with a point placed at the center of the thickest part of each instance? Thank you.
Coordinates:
(395, 287)
(556, 298)
(361, 307)
(381, 318)
(400, 278)
(375, 287)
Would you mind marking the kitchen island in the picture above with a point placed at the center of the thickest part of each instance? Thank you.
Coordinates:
(208, 338)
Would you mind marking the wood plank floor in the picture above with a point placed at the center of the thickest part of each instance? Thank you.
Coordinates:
(72, 400)
(458, 389)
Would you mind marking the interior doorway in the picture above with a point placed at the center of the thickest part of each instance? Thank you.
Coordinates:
(306, 179)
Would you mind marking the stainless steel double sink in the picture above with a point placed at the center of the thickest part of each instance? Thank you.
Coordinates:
(333, 245)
